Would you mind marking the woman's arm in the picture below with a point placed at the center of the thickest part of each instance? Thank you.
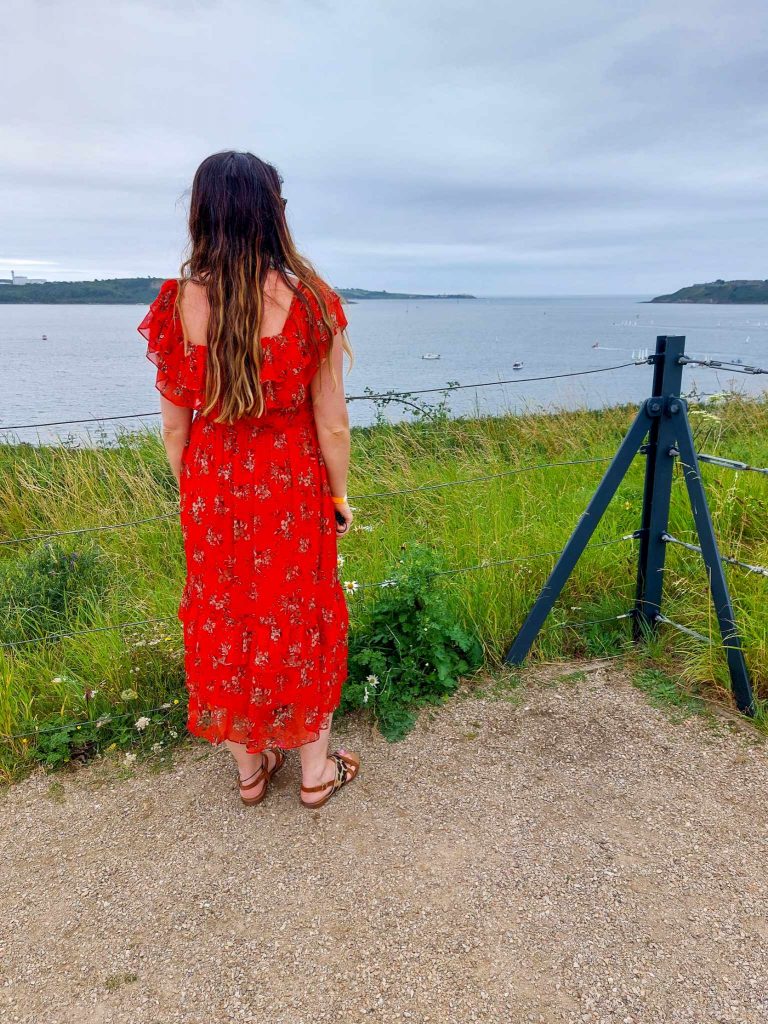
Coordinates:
(175, 430)
(332, 422)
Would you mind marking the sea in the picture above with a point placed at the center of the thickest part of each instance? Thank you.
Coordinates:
(80, 362)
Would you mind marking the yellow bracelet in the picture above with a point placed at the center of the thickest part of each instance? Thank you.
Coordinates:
(339, 501)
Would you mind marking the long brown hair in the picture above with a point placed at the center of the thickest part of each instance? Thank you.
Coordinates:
(238, 233)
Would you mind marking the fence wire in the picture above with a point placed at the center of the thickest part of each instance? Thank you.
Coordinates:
(694, 634)
(353, 497)
(386, 396)
(723, 364)
(350, 587)
(719, 460)
(758, 569)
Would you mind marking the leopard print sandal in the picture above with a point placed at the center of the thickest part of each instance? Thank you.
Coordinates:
(347, 767)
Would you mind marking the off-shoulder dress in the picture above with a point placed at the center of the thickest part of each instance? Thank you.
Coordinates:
(263, 613)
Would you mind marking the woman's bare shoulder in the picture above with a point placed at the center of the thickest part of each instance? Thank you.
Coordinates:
(194, 308)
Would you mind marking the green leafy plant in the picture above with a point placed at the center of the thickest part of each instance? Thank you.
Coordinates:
(410, 649)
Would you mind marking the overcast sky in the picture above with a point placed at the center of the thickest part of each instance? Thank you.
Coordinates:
(499, 147)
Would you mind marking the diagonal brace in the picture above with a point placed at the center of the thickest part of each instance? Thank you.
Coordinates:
(726, 617)
(579, 539)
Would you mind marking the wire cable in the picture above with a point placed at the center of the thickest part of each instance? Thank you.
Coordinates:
(86, 529)
(718, 460)
(83, 632)
(349, 398)
(759, 569)
(720, 364)
(350, 588)
(494, 383)
(72, 724)
(682, 629)
(353, 497)
(589, 622)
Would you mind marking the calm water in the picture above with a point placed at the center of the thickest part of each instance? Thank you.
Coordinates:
(92, 363)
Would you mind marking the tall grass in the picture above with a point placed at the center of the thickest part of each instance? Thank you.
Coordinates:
(137, 572)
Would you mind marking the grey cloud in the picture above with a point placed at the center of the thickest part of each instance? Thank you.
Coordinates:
(601, 147)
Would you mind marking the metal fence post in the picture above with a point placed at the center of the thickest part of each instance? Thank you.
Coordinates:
(657, 490)
(664, 419)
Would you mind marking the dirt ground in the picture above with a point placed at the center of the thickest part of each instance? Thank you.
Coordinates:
(570, 854)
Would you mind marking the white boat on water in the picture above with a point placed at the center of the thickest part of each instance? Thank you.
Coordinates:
(431, 355)
(517, 366)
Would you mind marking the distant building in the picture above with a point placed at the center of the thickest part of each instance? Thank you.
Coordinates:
(19, 279)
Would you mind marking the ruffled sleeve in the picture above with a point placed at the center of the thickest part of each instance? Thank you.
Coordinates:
(337, 316)
(180, 373)
(336, 311)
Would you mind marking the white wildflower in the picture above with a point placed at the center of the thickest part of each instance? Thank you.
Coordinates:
(174, 733)
(351, 586)
(142, 723)
(129, 759)
(156, 748)
(128, 695)
(166, 705)
(340, 562)
(57, 679)
(372, 680)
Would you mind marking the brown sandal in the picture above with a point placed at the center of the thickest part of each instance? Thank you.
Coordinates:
(262, 774)
(345, 765)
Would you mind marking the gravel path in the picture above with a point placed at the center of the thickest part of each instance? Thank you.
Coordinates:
(566, 855)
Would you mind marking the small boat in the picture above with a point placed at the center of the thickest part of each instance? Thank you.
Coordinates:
(431, 355)
(517, 366)
(596, 344)
(45, 337)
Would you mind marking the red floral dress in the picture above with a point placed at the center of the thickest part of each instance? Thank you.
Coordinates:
(263, 613)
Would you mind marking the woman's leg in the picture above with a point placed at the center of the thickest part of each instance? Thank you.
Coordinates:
(316, 768)
(248, 764)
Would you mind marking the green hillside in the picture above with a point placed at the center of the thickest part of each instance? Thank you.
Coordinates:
(720, 292)
(353, 294)
(117, 291)
(142, 290)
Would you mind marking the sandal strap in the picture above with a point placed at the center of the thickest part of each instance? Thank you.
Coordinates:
(342, 767)
(316, 789)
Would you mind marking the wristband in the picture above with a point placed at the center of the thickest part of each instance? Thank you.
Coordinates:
(339, 501)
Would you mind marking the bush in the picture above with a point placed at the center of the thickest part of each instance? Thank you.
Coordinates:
(409, 649)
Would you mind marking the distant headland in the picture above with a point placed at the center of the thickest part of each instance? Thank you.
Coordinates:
(141, 291)
(353, 294)
(720, 293)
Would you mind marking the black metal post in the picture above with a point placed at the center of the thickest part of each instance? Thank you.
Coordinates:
(657, 491)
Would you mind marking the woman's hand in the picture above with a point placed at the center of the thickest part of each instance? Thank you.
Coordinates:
(345, 511)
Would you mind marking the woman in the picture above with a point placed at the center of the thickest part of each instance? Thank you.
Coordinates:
(253, 340)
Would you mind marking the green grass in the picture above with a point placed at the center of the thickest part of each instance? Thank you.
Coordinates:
(137, 573)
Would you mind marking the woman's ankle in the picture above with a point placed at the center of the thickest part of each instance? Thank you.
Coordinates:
(315, 774)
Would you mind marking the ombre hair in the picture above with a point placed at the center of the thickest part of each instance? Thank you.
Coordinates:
(238, 233)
